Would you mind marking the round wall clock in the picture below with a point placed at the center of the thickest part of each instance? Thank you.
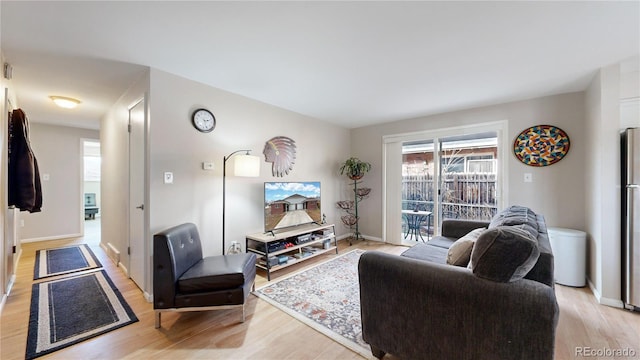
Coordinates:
(541, 145)
(203, 120)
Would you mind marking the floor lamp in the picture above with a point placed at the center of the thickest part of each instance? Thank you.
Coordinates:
(244, 165)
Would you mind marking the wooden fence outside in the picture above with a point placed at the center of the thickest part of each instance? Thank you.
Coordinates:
(464, 195)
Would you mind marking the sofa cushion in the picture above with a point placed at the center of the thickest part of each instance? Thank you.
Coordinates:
(460, 251)
(516, 215)
(427, 252)
(441, 241)
(504, 254)
(217, 273)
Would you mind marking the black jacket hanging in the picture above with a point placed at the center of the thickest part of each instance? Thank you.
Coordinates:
(25, 191)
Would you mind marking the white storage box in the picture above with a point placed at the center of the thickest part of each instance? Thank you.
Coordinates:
(570, 256)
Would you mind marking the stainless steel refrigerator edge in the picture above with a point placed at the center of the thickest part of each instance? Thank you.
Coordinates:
(630, 142)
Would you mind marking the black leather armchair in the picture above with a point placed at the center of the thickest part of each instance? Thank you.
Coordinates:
(185, 281)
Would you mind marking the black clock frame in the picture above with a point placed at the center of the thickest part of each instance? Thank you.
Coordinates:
(193, 120)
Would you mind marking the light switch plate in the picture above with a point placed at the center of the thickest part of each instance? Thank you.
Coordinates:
(207, 166)
(168, 178)
(528, 177)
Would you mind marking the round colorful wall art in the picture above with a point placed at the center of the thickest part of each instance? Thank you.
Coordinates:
(541, 145)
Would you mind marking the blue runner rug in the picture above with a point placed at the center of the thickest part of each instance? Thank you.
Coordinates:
(64, 260)
(73, 309)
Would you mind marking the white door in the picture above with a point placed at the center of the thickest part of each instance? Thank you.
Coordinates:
(136, 194)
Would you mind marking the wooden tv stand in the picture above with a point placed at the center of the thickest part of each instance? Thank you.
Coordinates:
(282, 249)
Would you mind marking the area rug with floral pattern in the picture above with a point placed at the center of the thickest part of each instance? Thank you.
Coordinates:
(325, 297)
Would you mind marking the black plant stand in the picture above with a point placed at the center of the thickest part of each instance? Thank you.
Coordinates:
(351, 208)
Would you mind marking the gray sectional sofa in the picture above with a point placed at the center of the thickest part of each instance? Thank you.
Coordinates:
(499, 305)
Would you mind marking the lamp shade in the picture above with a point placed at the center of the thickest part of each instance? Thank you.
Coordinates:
(246, 165)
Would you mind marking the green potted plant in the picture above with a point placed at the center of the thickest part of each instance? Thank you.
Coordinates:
(355, 168)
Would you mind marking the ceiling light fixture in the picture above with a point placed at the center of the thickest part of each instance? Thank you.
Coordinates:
(65, 102)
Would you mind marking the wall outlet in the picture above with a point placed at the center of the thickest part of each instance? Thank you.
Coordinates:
(168, 178)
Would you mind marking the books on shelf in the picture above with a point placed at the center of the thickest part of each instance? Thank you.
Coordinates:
(272, 261)
(277, 251)
(323, 233)
(310, 249)
(304, 238)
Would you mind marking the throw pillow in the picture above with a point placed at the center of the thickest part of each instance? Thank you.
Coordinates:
(460, 251)
(516, 215)
(504, 254)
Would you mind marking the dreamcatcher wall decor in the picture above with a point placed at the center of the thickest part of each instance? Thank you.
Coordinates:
(281, 151)
(541, 145)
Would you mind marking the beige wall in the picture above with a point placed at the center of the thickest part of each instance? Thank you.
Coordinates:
(612, 104)
(58, 150)
(242, 123)
(557, 191)
(196, 195)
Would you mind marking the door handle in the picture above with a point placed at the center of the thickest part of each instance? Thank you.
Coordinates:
(141, 207)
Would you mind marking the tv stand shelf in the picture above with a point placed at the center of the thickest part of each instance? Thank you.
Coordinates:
(282, 249)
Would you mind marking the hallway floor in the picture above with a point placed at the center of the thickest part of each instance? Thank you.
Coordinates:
(92, 232)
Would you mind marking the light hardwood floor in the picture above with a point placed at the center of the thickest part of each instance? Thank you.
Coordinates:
(269, 333)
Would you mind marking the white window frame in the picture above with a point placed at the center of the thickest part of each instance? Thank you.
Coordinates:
(392, 167)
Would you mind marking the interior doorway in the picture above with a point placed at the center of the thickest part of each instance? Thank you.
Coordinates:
(91, 195)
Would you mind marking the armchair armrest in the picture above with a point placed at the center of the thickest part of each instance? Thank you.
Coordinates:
(412, 307)
(175, 250)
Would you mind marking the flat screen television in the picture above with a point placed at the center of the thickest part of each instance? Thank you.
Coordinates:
(288, 204)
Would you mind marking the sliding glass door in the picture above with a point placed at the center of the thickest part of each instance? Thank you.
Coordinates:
(444, 175)
(468, 176)
(419, 189)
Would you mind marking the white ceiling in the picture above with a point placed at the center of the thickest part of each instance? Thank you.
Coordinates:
(350, 63)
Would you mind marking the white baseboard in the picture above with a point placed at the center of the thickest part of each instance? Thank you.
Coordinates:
(124, 269)
(366, 237)
(342, 237)
(4, 299)
(16, 261)
(112, 252)
(12, 280)
(369, 237)
(47, 238)
(617, 303)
